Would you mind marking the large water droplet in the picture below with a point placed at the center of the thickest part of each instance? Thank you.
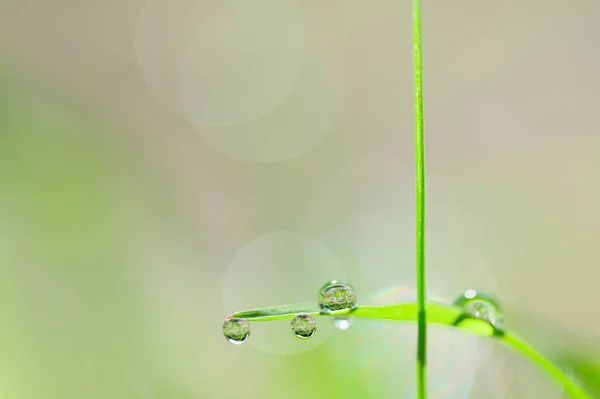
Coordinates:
(236, 330)
(336, 295)
(343, 323)
(480, 306)
(304, 325)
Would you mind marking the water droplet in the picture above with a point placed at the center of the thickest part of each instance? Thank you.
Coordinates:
(336, 295)
(236, 330)
(480, 306)
(304, 325)
(343, 323)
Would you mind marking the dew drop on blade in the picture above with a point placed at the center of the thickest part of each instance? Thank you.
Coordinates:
(481, 306)
(336, 295)
(303, 325)
(236, 331)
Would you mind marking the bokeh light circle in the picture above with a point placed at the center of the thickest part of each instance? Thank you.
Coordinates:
(387, 353)
(280, 268)
(260, 81)
(365, 213)
(239, 64)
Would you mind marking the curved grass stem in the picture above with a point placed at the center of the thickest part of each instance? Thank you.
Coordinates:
(437, 313)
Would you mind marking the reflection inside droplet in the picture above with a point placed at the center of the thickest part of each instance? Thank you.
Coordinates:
(303, 325)
(336, 295)
(236, 331)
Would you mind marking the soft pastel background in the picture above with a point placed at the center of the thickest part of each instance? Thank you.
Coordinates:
(166, 163)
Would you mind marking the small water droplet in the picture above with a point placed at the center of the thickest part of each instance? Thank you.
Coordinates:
(480, 306)
(304, 325)
(236, 330)
(336, 295)
(343, 323)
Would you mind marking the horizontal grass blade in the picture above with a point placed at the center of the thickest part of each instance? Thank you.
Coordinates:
(437, 313)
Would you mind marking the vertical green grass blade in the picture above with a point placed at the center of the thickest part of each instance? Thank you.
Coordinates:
(420, 204)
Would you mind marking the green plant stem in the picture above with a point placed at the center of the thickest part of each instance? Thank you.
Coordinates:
(437, 313)
(420, 205)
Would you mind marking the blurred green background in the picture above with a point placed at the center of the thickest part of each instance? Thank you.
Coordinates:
(164, 164)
